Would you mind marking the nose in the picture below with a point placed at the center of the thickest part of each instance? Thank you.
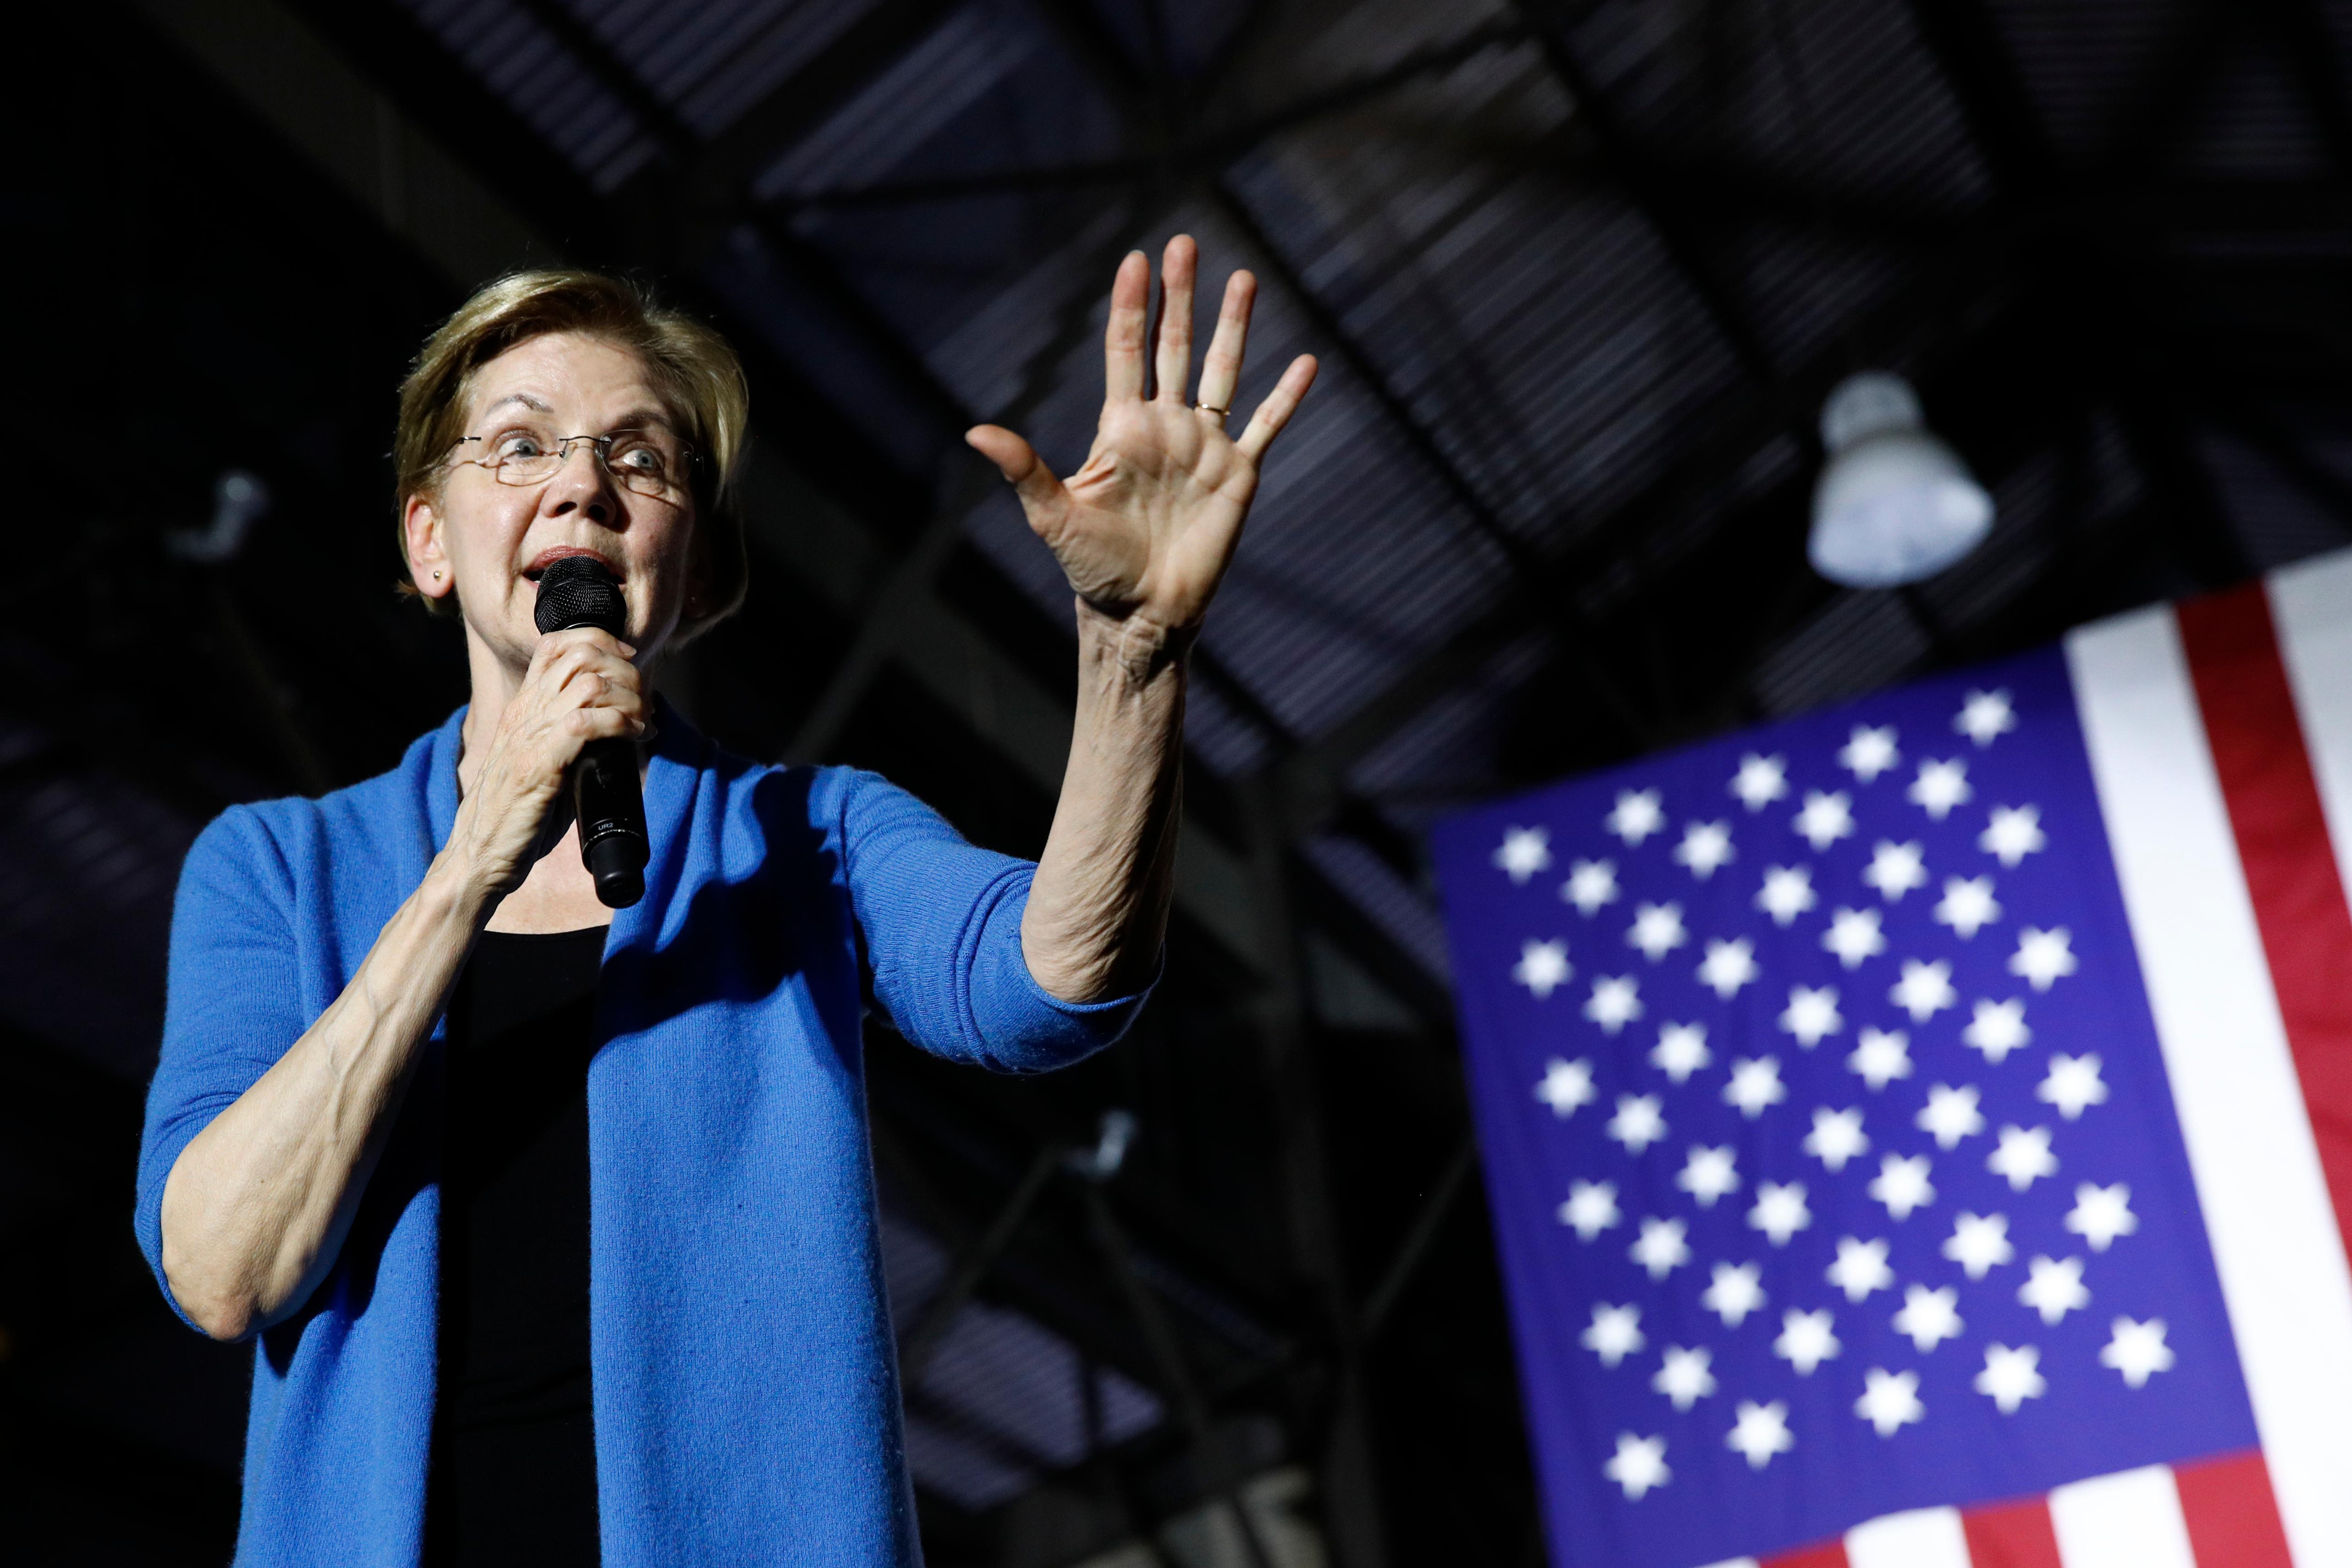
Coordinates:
(582, 485)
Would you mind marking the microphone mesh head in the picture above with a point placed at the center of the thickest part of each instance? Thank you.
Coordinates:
(577, 591)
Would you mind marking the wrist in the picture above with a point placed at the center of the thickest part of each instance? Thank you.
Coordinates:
(457, 884)
(1133, 644)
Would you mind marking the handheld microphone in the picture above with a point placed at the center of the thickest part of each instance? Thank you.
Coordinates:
(606, 797)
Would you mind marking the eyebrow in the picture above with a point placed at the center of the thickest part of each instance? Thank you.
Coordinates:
(636, 419)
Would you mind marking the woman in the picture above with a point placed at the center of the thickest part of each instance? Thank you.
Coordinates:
(554, 1225)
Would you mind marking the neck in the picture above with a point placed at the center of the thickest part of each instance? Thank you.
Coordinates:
(495, 681)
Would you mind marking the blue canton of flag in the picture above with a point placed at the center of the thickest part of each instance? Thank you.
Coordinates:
(1827, 1135)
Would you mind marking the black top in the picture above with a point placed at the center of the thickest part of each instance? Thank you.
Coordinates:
(514, 1457)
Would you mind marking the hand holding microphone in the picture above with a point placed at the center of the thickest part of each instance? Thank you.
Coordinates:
(607, 800)
(580, 694)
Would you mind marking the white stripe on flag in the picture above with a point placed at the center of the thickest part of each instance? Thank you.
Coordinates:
(2311, 605)
(2265, 1202)
(1923, 1538)
(2127, 1520)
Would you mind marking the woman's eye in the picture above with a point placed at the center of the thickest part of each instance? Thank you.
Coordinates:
(643, 459)
(519, 446)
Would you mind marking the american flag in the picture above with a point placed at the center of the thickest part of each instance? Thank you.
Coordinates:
(1920, 1134)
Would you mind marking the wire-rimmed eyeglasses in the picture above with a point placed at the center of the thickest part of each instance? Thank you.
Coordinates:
(651, 462)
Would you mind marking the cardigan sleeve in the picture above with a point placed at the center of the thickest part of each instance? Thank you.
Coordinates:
(232, 1004)
(941, 923)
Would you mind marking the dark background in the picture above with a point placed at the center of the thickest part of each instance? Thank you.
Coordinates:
(1579, 275)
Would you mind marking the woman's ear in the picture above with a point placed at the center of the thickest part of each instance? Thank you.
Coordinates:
(428, 559)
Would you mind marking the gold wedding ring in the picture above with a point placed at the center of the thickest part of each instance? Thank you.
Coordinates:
(1207, 408)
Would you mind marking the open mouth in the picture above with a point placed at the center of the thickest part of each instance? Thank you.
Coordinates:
(556, 552)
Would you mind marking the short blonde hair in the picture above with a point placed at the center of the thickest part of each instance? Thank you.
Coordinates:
(694, 372)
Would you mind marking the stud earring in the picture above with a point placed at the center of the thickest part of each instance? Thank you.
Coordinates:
(436, 576)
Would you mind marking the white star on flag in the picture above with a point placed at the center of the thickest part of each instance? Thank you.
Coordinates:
(1566, 1086)
(1684, 1377)
(2072, 1085)
(1890, 1400)
(1543, 967)
(2013, 833)
(1825, 819)
(1951, 1114)
(1896, 869)
(1854, 936)
(2044, 957)
(1761, 781)
(1939, 787)
(1661, 1249)
(1639, 1465)
(1638, 816)
(1591, 884)
(1708, 1174)
(2054, 1288)
(1637, 1123)
(1657, 930)
(1615, 1001)
(1615, 1333)
(2010, 1378)
(1979, 1243)
(1728, 965)
(1591, 1208)
(1754, 1086)
(1868, 752)
(1780, 1211)
(1901, 1185)
(1525, 851)
(1925, 990)
(1884, 1056)
(1805, 1341)
(2102, 1214)
(1985, 716)
(1968, 905)
(2137, 1350)
(1930, 1317)
(1861, 1267)
(2024, 1154)
(1811, 1015)
(1788, 893)
(1762, 1432)
(1736, 1290)
(1836, 1137)
(1997, 1028)
(1680, 1050)
(1705, 848)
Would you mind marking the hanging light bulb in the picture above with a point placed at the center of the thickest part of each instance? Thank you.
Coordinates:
(1895, 504)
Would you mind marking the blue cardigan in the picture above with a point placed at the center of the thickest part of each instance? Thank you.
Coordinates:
(745, 1380)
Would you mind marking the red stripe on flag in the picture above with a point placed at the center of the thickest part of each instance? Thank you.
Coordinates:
(2012, 1535)
(2233, 1520)
(1827, 1554)
(2291, 872)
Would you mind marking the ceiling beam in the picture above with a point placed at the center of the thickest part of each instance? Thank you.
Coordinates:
(1672, 215)
(1974, 60)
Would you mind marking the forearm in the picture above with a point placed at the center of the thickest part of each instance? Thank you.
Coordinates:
(255, 1208)
(1098, 908)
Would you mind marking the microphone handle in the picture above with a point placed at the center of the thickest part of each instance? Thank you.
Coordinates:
(611, 806)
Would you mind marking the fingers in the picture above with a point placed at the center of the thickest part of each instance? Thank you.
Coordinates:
(1279, 406)
(1172, 359)
(1130, 295)
(583, 670)
(1221, 368)
(1019, 463)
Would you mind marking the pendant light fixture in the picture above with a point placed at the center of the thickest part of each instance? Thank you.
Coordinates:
(1895, 504)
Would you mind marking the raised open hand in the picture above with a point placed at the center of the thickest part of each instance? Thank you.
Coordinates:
(1145, 528)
